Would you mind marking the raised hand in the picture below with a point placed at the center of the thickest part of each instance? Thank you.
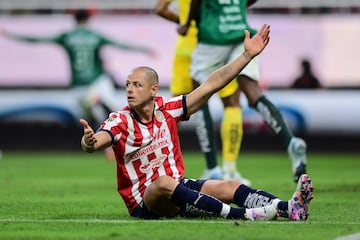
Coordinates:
(253, 46)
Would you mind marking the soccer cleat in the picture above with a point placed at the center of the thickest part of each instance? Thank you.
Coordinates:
(235, 175)
(297, 153)
(298, 205)
(214, 173)
(261, 213)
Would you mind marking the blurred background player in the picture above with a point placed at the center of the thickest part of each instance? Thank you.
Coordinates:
(95, 88)
(306, 79)
(181, 82)
(219, 31)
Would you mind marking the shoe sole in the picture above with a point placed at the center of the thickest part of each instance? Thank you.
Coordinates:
(306, 193)
(306, 189)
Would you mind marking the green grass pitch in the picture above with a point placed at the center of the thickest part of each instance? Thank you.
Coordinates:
(73, 196)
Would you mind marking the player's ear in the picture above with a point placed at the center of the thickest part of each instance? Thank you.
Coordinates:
(154, 90)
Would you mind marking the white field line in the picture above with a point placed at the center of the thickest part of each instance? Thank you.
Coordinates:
(355, 236)
(29, 220)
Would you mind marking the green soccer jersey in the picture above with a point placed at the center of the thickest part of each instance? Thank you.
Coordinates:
(82, 46)
(223, 22)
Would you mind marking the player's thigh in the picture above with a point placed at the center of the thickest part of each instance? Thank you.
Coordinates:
(181, 81)
(250, 88)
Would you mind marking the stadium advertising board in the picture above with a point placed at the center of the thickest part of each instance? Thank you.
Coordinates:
(293, 37)
(311, 111)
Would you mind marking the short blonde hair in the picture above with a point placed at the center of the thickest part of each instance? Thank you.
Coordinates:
(151, 74)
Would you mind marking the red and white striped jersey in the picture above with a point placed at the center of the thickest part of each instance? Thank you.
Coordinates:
(145, 151)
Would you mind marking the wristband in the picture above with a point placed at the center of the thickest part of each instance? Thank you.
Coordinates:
(85, 145)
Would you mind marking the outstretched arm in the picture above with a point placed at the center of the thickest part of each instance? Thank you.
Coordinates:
(224, 75)
(92, 141)
(26, 38)
(130, 47)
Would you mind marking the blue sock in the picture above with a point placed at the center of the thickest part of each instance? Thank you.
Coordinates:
(283, 206)
(194, 203)
(250, 198)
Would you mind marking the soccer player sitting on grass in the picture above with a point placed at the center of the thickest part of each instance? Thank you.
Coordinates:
(150, 166)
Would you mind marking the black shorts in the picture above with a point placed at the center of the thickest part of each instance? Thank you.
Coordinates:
(142, 211)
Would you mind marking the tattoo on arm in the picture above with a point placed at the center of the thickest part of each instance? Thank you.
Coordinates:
(226, 71)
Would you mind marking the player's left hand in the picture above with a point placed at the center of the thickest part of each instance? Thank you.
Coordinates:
(253, 46)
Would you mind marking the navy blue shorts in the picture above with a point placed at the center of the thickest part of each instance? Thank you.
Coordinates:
(142, 211)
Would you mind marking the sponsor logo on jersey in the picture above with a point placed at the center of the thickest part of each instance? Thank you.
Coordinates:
(156, 163)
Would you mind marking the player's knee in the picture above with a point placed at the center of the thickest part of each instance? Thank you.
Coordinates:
(231, 101)
(165, 185)
(231, 185)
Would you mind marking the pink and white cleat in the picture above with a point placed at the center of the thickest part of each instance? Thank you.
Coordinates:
(299, 203)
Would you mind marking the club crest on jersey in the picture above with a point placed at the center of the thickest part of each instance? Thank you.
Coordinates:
(159, 116)
(111, 119)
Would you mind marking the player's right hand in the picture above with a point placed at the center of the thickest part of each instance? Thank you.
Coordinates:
(183, 29)
(89, 135)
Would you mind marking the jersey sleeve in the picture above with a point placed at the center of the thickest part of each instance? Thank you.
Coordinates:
(176, 107)
(114, 125)
(125, 46)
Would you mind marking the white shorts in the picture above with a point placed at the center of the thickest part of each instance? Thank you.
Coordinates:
(207, 58)
(102, 90)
